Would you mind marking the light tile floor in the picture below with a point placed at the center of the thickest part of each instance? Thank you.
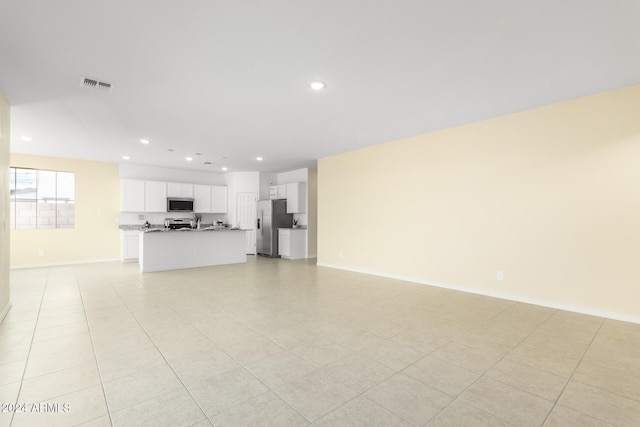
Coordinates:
(287, 343)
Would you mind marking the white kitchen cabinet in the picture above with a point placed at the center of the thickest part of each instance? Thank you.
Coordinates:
(132, 195)
(284, 243)
(187, 190)
(278, 192)
(297, 197)
(282, 191)
(155, 196)
(202, 198)
(292, 243)
(130, 245)
(176, 189)
(219, 199)
(210, 199)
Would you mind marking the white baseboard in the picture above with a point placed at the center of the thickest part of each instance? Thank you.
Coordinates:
(542, 303)
(5, 311)
(60, 264)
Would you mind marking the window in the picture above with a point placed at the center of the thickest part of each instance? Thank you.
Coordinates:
(41, 198)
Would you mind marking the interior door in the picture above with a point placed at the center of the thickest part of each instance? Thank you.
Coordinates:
(246, 211)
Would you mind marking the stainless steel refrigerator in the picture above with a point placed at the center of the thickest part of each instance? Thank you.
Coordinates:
(272, 214)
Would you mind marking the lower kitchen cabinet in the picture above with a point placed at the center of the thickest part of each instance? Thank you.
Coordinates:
(130, 245)
(292, 243)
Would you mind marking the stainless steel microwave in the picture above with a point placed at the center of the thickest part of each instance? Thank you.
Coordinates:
(179, 204)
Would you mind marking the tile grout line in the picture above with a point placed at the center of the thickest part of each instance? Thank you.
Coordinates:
(321, 369)
(35, 327)
(176, 374)
(485, 372)
(161, 354)
(250, 373)
(362, 394)
(164, 295)
(145, 332)
(555, 403)
(245, 369)
(93, 346)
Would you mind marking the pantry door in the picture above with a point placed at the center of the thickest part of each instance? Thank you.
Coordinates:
(246, 213)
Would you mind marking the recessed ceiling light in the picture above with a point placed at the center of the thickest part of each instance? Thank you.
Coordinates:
(145, 141)
(26, 138)
(189, 159)
(126, 157)
(259, 158)
(317, 85)
(224, 168)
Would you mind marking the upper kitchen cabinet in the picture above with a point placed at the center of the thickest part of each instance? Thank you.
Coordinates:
(278, 192)
(132, 195)
(219, 199)
(202, 198)
(282, 191)
(297, 197)
(210, 199)
(155, 196)
(176, 189)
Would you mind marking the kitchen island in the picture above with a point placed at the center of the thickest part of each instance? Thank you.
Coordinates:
(177, 249)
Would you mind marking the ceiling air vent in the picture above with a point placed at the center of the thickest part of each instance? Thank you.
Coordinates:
(96, 84)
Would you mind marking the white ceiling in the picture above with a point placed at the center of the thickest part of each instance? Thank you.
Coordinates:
(229, 79)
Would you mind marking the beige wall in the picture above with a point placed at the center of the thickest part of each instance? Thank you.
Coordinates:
(550, 196)
(96, 235)
(4, 206)
(312, 212)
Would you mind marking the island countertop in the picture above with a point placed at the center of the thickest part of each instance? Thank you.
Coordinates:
(158, 228)
(186, 230)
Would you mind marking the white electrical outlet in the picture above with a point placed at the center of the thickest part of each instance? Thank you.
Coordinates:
(500, 275)
(41, 252)
(340, 254)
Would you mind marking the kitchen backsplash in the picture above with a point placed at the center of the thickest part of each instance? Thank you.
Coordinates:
(132, 218)
(301, 217)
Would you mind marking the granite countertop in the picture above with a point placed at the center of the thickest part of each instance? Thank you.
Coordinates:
(188, 230)
(162, 229)
(133, 227)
